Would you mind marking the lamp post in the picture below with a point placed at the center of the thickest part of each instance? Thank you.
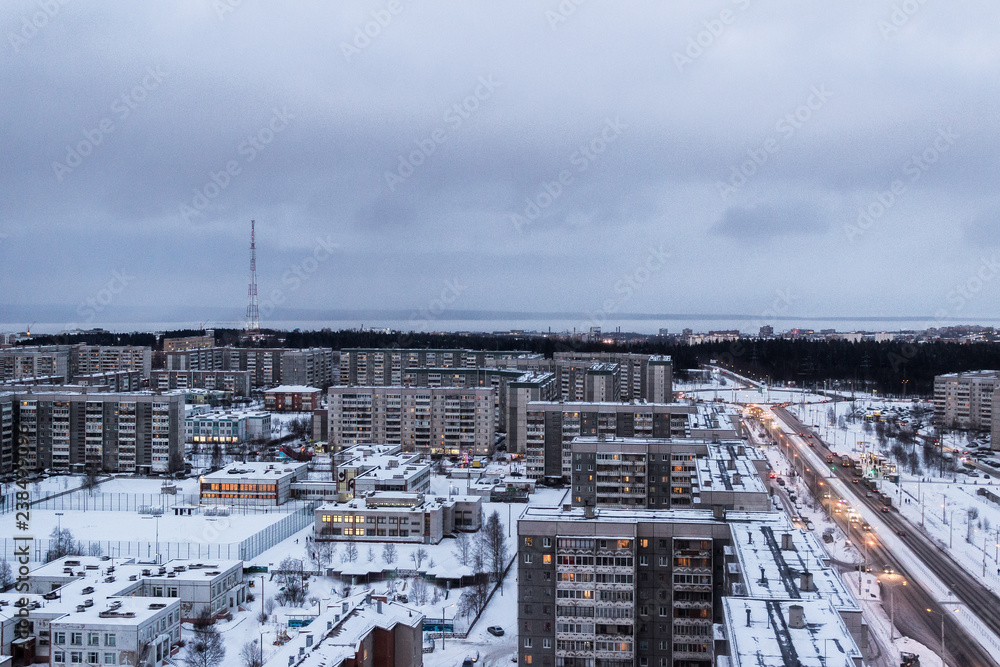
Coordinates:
(942, 614)
(443, 607)
(892, 607)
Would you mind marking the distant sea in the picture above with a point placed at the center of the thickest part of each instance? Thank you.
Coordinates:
(524, 322)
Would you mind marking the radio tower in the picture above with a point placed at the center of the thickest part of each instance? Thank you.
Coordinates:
(253, 314)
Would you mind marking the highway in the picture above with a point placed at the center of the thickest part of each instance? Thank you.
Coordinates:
(912, 600)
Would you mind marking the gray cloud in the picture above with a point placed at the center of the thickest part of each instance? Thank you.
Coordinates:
(762, 223)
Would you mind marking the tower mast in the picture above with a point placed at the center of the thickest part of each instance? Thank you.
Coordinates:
(253, 313)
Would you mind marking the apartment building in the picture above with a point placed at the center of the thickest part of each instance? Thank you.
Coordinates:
(314, 367)
(90, 359)
(530, 387)
(190, 342)
(7, 433)
(629, 473)
(267, 366)
(452, 421)
(647, 588)
(71, 432)
(497, 378)
(965, 400)
(292, 398)
(238, 383)
(549, 428)
(115, 381)
(633, 371)
(27, 364)
(660, 379)
(386, 366)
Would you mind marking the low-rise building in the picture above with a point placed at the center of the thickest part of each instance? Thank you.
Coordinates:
(256, 483)
(228, 427)
(292, 398)
(398, 517)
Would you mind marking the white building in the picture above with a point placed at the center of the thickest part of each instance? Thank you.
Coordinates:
(257, 483)
(398, 517)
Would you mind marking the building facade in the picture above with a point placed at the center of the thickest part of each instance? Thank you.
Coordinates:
(238, 383)
(292, 398)
(109, 432)
(965, 400)
(453, 421)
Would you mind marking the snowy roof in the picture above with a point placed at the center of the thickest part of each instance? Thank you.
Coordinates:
(714, 474)
(254, 469)
(291, 388)
(772, 637)
(758, 548)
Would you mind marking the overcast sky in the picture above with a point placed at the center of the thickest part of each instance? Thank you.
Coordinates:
(692, 157)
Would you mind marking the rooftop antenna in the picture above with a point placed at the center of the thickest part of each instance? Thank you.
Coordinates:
(253, 313)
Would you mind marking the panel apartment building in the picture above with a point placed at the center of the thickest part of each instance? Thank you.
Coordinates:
(965, 400)
(113, 432)
(23, 364)
(453, 421)
(545, 432)
(649, 588)
(389, 366)
(635, 473)
(268, 367)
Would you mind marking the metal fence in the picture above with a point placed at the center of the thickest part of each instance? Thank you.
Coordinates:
(132, 502)
(200, 546)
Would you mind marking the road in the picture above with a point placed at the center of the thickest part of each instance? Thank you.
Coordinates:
(913, 600)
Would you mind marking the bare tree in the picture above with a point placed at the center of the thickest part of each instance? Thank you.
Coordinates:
(90, 479)
(61, 544)
(463, 548)
(206, 648)
(418, 556)
(496, 546)
(320, 554)
(389, 553)
(291, 578)
(350, 553)
(418, 591)
(217, 460)
(252, 655)
(6, 576)
(371, 554)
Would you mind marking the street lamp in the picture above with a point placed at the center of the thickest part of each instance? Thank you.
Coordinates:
(892, 606)
(942, 614)
(443, 607)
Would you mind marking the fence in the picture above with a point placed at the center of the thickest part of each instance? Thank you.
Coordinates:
(204, 548)
(132, 502)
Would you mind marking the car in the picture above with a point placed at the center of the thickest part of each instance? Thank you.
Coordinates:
(869, 494)
(772, 475)
(495, 630)
(855, 480)
(887, 570)
(886, 510)
(901, 533)
(986, 475)
(781, 482)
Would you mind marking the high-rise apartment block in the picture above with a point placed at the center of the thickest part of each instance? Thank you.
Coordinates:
(315, 367)
(436, 420)
(109, 432)
(965, 400)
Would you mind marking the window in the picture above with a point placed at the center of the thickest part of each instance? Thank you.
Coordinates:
(60, 638)
(76, 657)
(93, 639)
(547, 559)
(92, 657)
(110, 659)
(643, 560)
(546, 643)
(527, 659)
(527, 642)
(527, 541)
(58, 656)
(527, 558)
(76, 638)
(546, 542)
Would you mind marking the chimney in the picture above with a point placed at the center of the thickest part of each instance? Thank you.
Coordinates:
(786, 542)
(378, 606)
(567, 507)
(748, 618)
(796, 617)
(741, 451)
(719, 512)
(807, 582)
(763, 577)
(588, 510)
(731, 464)
(309, 640)
(737, 480)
